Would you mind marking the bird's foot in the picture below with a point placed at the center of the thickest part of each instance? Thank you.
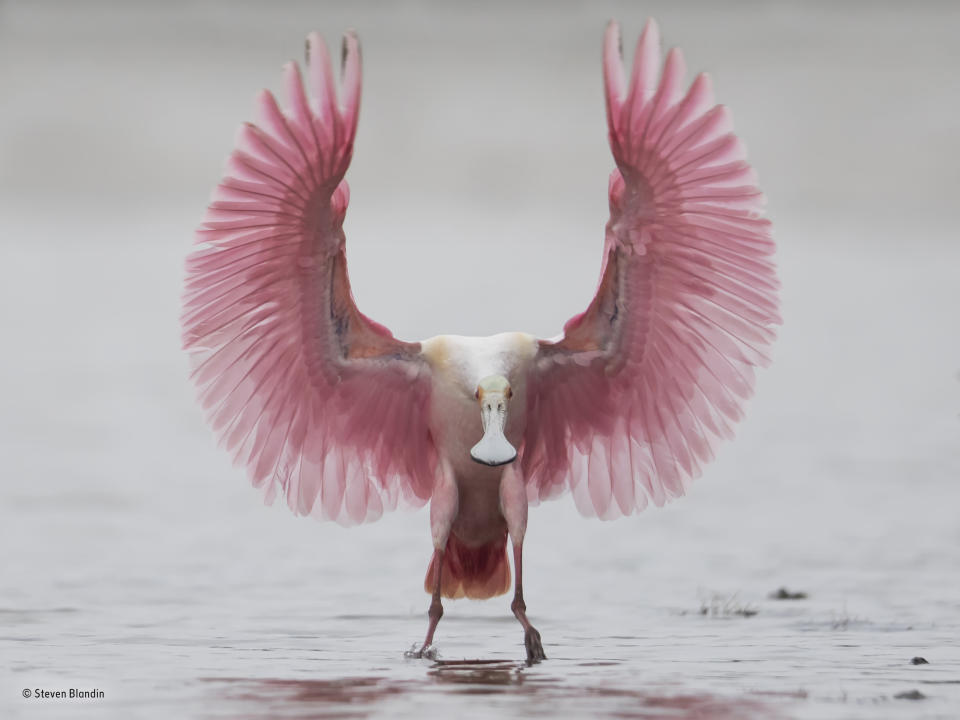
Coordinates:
(428, 652)
(531, 640)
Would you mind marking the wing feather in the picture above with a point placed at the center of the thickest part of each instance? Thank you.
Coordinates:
(319, 402)
(628, 404)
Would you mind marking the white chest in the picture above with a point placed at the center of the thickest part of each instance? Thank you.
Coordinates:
(458, 364)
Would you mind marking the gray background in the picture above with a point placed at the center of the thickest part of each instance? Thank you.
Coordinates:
(136, 560)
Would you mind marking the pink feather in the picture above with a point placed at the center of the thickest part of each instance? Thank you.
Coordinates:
(319, 402)
(626, 407)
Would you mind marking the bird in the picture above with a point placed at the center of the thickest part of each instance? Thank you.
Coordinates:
(325, 407)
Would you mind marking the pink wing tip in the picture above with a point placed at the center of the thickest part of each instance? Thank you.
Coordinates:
(613, 77)
(676, 62)
(351, 45)
(264, 97)
(646, 60)
(650, 39)
(350, 74)
(611, 37)
(315, 45)
(704, 84)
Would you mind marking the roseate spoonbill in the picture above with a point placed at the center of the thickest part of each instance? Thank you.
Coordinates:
(325, 406)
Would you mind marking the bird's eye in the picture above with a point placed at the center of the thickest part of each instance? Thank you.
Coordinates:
(509, 393)
(476, 394)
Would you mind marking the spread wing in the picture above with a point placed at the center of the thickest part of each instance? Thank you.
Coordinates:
(629, 403)
(320, 403)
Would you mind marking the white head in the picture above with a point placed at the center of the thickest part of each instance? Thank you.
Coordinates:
(493, 394)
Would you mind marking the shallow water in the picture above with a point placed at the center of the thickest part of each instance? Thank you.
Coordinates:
(137, 562)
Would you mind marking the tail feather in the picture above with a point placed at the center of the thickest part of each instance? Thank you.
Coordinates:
(474, 572)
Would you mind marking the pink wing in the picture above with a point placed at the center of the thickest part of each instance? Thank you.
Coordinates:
(629, 403)
(317, 400)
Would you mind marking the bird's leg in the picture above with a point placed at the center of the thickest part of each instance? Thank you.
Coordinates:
(513, 504)
(531, 636)
(436, 607)
(444, 504)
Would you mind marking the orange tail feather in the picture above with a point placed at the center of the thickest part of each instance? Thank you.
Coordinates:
(474, 572)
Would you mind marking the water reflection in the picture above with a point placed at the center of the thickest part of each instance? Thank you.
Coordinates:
(445, 682)
(292, 698)
(477, 676)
